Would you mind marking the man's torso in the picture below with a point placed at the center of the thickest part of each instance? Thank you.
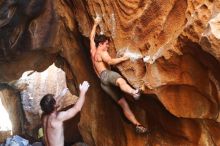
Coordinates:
(98, 64)
(107, 77)
(53, 131)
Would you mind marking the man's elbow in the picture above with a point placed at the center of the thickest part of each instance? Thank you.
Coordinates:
(110, 62)
(78, 109)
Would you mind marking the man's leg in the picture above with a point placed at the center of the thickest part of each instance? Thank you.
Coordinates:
(127, 88)
(122, 102)
(127, 111)
(130, 116)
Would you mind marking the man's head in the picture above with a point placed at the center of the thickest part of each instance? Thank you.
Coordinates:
(48, 103)
(101, 41)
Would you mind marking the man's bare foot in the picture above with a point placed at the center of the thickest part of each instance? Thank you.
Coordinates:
(136, 94)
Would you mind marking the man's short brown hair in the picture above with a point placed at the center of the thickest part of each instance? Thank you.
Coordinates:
(48, 103)
(100, 39)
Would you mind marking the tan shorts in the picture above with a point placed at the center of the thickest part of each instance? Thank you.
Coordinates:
(108, 84)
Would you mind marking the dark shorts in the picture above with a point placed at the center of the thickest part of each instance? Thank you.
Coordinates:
(108, 83)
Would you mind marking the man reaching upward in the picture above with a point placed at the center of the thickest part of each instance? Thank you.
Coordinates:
(101, 59)
(53, 119)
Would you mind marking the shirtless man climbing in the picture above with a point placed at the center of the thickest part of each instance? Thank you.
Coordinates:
(53, 119)
(101, 59)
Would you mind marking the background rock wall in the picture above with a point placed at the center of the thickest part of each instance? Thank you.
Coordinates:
(33, 86)
(11, 102)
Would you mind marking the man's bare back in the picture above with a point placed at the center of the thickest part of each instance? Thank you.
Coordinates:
(53, 130)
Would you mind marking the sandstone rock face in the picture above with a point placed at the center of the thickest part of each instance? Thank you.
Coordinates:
(182, 37)
(11, 102)
(33, 86)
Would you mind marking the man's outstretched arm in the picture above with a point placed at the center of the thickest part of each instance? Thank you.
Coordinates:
(65, 115)
(92, 35)
(112, 61)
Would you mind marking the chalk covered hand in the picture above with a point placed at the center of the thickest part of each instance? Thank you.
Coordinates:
(84, 87)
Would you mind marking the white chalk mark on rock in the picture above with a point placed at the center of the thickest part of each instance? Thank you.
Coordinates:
(131, 54)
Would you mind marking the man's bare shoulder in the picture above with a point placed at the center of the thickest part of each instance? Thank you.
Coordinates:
(104, 54)
(54, 122)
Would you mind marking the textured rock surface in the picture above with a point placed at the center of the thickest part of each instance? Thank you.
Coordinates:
(33, 86)
(11, 102)
(185, 79)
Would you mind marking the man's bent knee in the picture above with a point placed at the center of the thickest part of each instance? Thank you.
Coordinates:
(121, 101)
(120, 81)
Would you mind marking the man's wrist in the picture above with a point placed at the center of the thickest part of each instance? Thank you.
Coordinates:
(82, 93)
